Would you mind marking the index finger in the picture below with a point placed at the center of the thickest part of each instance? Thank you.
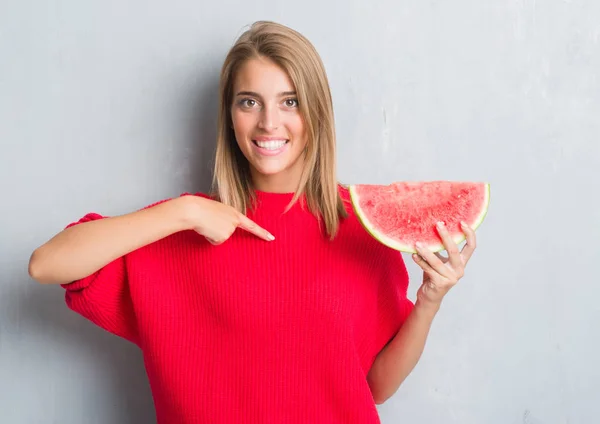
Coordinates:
(252, 227)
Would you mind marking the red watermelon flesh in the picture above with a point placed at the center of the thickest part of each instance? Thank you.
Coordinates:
(403, 213)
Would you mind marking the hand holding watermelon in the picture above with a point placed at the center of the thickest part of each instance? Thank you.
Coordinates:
(405, 215)
(440, 273)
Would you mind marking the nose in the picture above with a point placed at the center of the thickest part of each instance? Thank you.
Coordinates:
(269, 119)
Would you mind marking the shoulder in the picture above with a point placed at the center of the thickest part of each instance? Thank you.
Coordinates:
(346, 199)
(344, 193)
(351, 226)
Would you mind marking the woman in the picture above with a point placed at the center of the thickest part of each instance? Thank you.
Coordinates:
(265, 301)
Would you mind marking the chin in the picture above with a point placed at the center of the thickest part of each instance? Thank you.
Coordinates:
(270, 170)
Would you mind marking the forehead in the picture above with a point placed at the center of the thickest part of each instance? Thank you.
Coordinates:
(262, 76)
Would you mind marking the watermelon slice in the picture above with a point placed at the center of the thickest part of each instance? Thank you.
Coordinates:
(402, 213)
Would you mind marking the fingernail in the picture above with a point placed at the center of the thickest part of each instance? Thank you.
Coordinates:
(440, 224)
(418, 245)
(463, 223)
(271, 237)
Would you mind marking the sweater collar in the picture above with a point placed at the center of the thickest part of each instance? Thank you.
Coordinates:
(274, 201)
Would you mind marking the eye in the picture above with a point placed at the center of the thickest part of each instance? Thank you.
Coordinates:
(291, 102)
(249, 103)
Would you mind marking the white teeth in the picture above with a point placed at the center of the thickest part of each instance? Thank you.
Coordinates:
(271, 145)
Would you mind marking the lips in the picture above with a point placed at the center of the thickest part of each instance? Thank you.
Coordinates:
(270, 146)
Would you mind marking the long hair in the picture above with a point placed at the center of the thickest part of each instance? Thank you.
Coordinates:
(232, 182)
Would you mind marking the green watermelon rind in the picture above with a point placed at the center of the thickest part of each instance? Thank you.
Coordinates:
(382, 238)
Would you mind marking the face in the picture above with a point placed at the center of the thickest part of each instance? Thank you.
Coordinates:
(268, 126)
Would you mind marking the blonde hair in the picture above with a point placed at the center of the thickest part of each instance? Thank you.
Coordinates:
(232, 183)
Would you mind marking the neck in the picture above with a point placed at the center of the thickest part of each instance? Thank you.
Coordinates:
(285, 182)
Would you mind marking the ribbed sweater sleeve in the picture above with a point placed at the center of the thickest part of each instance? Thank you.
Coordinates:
(393, 305)
(103, 297)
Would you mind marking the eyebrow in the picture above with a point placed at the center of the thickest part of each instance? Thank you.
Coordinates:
(254, 94)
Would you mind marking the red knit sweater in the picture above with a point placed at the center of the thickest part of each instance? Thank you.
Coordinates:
(253, 331)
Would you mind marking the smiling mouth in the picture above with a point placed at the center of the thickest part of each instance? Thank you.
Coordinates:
(271, 144)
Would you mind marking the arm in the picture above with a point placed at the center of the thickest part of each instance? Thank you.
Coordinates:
(397, 360)
(81, 250)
